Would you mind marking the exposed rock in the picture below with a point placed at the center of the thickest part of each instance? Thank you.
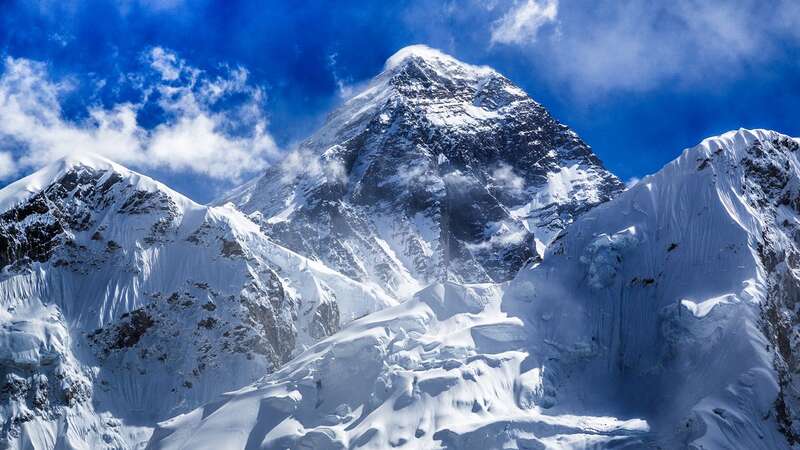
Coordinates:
(438, 169)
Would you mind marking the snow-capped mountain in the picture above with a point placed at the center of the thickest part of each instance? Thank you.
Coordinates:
(436, 170)
(123, 303)
(664, 318)
(383, 288)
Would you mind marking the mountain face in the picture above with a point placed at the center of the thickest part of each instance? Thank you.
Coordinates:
(436, 170)
(682, 299)
(664, 318)
(123, 303)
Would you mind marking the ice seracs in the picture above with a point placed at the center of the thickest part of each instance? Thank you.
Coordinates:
(446, 369)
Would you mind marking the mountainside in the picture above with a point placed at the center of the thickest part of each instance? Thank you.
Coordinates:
(123, 303)
(448, 369)
(436, 170)
(676, 303)
(664, 318)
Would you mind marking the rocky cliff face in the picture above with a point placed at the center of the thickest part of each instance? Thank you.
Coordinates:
(436, 170)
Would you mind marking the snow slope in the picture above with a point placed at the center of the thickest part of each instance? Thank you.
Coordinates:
(657, 304)
(665, 318)
(123, 302)
(446, 369)
(436, 170)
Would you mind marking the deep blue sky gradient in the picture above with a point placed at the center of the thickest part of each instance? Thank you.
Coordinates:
(288, 48)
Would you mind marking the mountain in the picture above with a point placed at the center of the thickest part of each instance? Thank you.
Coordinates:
(436, 170)
(122, 303)
(663, 318)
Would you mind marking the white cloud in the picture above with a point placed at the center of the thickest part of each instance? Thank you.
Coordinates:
(417, 173)
(457, 178)
(504, 176)
(638, 46)
(503, 234)
(7, 165)
(30, 116)
(631, 182)
(521, 23)
(193, 144)
(197, 135)
(304, 162)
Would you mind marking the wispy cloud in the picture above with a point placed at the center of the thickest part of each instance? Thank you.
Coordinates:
(300, 162)
(505, 176)
(165, 63)
(520, 25)
(639, 46)
(344, 87)
(213, 126)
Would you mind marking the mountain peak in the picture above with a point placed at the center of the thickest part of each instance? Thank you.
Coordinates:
(88, 159)
(423, 52)
(446, 169)
(414, 51)
(741, 139)
(432, 57)
(736, 145)
(21, 190)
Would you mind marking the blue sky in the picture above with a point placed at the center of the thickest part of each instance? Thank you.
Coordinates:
(144, 81)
